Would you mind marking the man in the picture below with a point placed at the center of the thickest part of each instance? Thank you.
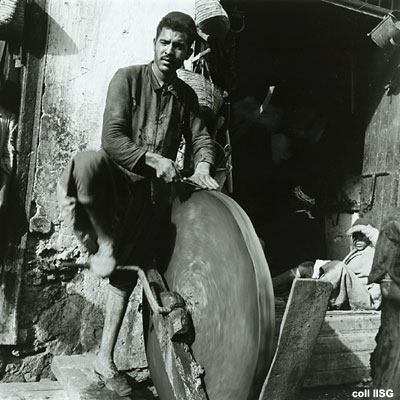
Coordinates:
(349, 277)
(112, 196)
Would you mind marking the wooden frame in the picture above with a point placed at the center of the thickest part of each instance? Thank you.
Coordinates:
(28, 130)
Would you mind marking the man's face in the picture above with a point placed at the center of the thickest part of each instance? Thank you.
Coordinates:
(360, 241)
(170, 50)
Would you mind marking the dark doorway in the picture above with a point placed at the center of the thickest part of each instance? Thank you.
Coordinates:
(320, 62)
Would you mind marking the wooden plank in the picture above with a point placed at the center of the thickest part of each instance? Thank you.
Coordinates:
(382, 140)
(394, 103)
(344, 334)
(343, 331)
(43, 390)
(76, 375)
(371, 149)
(336, 377)
(21, 191)
(350, 321)
(379, 205)
(390, 159)
(336, 361)
(388, 164)
(377, 152)
(304, 314)
(360, 341)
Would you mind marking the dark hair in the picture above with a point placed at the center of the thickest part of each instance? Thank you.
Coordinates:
(179, 25)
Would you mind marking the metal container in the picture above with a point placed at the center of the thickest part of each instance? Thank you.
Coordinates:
(387, 33)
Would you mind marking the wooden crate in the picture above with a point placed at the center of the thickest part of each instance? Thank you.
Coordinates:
(343, 349)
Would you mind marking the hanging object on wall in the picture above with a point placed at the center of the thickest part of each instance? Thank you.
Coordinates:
(387, 33)
(211, 18)
(11, 19)
(209, 95)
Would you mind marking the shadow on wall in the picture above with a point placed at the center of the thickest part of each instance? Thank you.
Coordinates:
(38, 24)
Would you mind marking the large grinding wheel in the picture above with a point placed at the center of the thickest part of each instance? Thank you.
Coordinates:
(219, 268)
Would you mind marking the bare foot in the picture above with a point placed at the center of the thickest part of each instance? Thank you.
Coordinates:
(105, 367)
(112, 379)
(103, 262)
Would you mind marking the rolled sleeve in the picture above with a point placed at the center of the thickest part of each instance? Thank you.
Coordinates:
(117, 129)
(202, 144)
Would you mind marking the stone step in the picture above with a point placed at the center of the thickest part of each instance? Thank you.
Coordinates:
(76, 376)
(43, 390)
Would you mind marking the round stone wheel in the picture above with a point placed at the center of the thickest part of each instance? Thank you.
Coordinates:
(219, 268)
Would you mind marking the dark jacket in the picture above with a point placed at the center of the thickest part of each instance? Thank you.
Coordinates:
(140, 115)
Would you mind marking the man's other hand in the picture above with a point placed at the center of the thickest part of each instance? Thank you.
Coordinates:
(165, 168)
(202, 177)
(205, 181)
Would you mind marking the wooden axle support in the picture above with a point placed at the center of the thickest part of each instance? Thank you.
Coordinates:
(174, 333)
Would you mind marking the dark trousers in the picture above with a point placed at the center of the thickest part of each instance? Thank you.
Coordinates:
(92, 178)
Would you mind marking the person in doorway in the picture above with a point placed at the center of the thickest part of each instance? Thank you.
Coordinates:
(348, 277)
(111, 197)
(8, 127)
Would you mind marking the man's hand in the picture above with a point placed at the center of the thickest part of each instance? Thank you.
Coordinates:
(165, 168)
(202, 177)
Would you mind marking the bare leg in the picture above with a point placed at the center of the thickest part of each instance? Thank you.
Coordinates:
(304, 270)
(104, 363)
(115, 311)
(285, 278)
(283, 282)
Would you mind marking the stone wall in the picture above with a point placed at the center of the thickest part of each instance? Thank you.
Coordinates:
(87, 42)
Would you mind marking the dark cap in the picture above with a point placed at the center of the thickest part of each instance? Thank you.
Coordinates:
(182, 20)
